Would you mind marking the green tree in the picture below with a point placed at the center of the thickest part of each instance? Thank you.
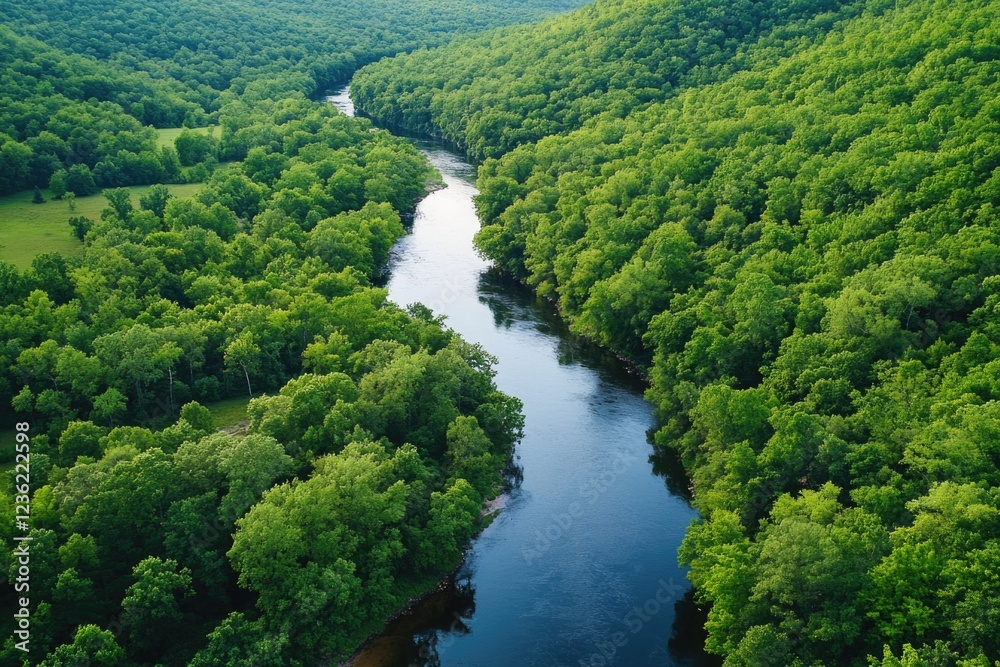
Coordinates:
(80, 439)
(155, 199)
(80, 226)
(195, 537)
(91, 646)
(15, 165)
(470, 456)
(152, 604)
(454, 515)
(120, 200)
(80, 181)
(74, 600)
(125, 511)
(333, 543)
(251, 465)
(110, 406)
(237, 641)
(57, 184)
(138, 356)
(198, 416)
(80, 553)
(194, 147)
(243, 353)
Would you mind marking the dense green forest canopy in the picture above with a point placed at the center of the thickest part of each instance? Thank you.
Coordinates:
(210, 45)
(491, 93)
(380, 431)
(804, 257)
(374, 434)
(61, 112)
(80, 81)
(784, 212)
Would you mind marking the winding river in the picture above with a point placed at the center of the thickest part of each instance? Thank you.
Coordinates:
(580, 565)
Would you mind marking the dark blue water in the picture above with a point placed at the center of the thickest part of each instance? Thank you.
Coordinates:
(580, 565)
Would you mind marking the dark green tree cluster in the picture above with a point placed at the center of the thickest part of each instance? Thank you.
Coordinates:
(492, 93)
(64, 122)
(804, 259)
(39, 80)
(210, 47)
(156, 539)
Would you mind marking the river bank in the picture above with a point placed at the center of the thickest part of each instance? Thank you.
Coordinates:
(581, 566)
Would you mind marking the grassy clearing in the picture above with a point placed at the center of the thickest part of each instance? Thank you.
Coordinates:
(229, 412)
(169, 134)
(28, 229)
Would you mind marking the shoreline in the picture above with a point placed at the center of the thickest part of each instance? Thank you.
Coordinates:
(492, 507)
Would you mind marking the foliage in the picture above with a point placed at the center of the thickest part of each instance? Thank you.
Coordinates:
(32, 229)
(491, 93)
(104, 72)
(802, 254)
(138, 500)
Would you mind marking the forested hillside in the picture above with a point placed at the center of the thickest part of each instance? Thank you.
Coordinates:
(61, 111)
(368, 460)
(803, 256)
(103, 70)
(491, 93)
(209, 46)
(374, 433)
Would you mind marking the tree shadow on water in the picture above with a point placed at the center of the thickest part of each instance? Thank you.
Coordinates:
(419, 636)
(514, 305)
(687, 641)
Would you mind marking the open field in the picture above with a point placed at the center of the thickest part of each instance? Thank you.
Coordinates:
(169, 134)
(27, 229)
(229, 412)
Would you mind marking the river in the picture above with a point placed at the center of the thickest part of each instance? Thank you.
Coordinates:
(580, 565)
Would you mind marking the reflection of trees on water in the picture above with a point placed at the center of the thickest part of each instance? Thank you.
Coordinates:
(440, 633)
(667, 464)
(687, 638)
(495, 294)
(513, 475)
(512, 303)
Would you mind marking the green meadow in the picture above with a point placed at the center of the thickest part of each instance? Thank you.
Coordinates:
(169, 134)
(28, 229)
(230, 412)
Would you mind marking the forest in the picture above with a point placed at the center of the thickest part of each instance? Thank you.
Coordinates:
(210, 47)
(488, 94)
(374, 435)
(374, 432)
(790, 226)
(783, 213)
(79, 83)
